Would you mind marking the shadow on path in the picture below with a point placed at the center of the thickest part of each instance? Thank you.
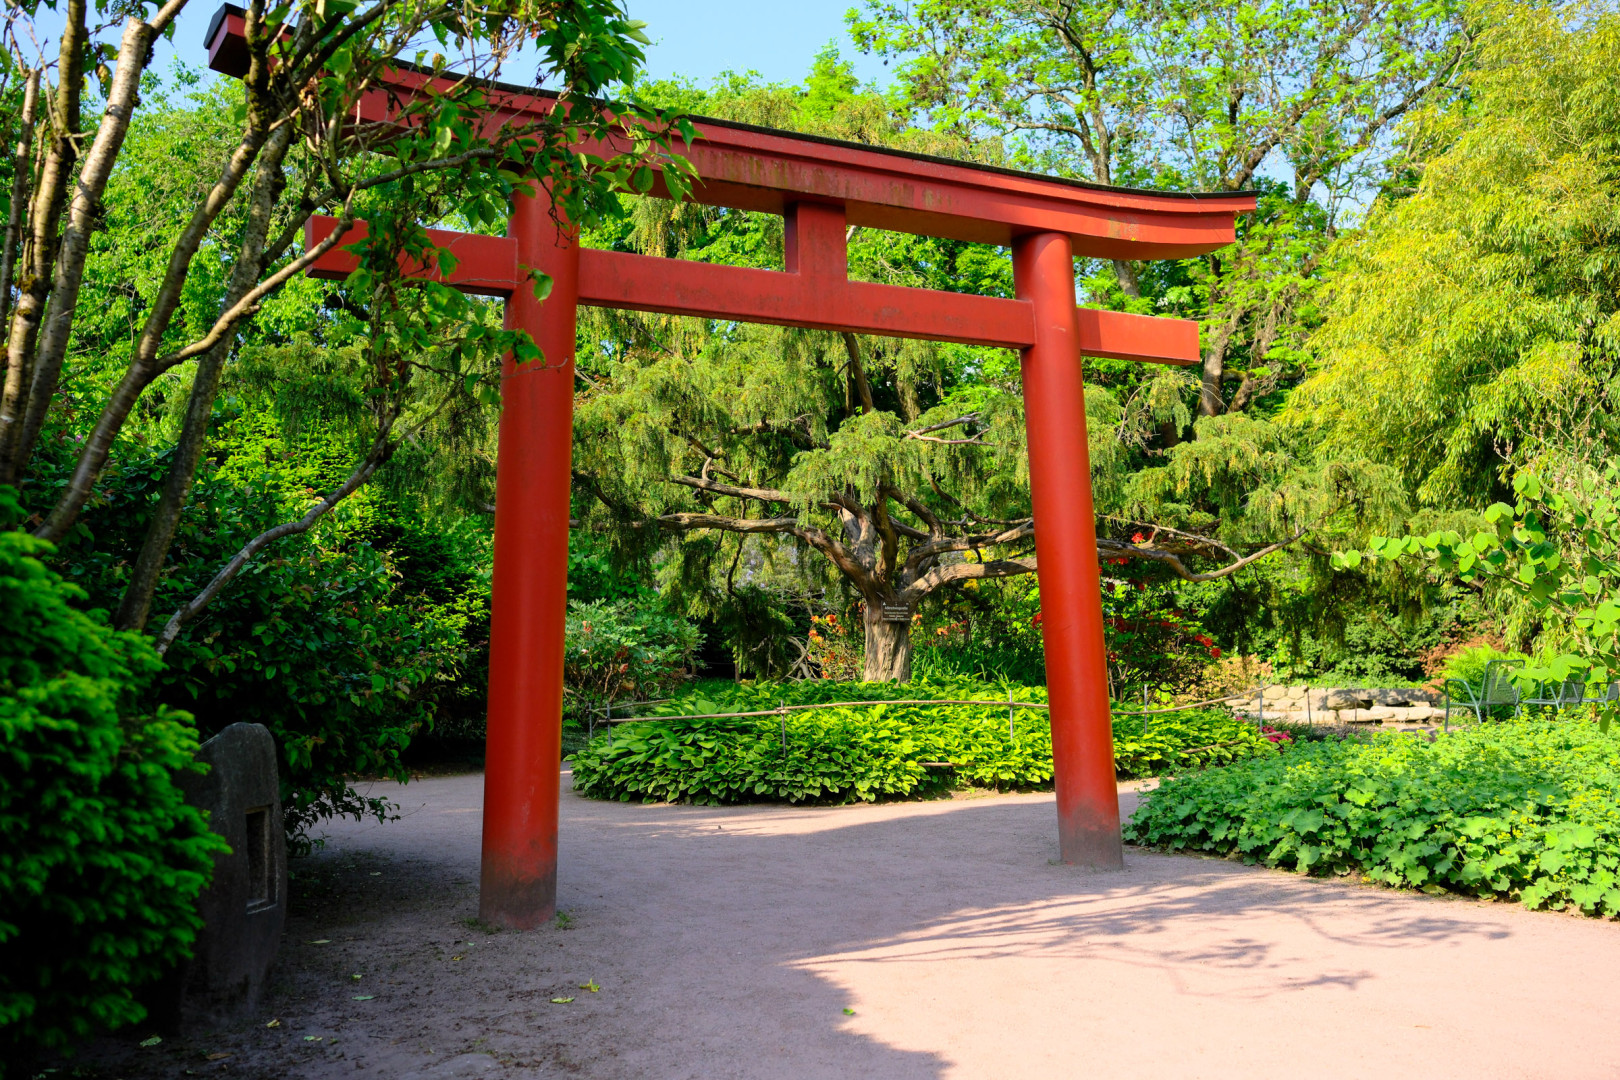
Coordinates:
(905, 940)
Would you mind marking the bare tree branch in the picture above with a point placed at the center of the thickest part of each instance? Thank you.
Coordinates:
(381, 449)
(1115, 549)
(966, 571)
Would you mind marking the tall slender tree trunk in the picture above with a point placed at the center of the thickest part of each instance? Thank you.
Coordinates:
(1129, 283)
(38, 257)
(136, 605)
(1210, 401)
(888, 647)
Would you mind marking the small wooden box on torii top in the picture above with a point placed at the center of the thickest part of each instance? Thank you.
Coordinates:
(820, 187)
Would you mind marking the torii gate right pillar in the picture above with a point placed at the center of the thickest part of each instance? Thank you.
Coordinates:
(1066, 556)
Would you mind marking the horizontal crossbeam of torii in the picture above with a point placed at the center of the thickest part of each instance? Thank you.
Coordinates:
(820, 187)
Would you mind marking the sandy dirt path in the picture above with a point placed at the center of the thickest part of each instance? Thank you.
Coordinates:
(912, 940)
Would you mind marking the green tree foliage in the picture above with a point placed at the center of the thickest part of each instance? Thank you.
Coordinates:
(1293, 97)
(808, 448)
(102, 858)
(226, 191)
(1473, 324)
(1470, 337)
(889, 472)
(345, 641)
(196, 403)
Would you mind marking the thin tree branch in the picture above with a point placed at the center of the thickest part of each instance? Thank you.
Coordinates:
(21, 174)
(381, 449)
(857, 372)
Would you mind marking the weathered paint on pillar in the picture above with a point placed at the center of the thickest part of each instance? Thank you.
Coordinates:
(1066, 552)
(523, 758)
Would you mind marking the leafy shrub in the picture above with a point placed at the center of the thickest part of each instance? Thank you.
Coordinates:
(345, 642)
(616, 650)
(314, 645)
(1468, 664)
(1553, 557)
(861, 753)
(1527, 810)
(102, 859)
(1192, 739)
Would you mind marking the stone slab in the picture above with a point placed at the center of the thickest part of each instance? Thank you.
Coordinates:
(245, 905)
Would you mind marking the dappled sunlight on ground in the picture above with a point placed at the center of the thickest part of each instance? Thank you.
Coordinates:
(916, 939)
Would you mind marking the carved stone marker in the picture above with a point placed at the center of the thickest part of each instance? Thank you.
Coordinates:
(245, 905)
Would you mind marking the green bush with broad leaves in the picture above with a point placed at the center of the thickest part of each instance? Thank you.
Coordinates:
(316, 644)
(102, 859)
(1526, 810)
(619, 650)
(845, 753)
(347, 641)
(1554, 556)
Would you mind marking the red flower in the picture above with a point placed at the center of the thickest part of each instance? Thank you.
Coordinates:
(1036, 621)
(1215, 654)
(1138, 538)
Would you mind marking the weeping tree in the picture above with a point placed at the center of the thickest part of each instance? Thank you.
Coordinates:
(850, 458)
(230, 236)
(891, 469)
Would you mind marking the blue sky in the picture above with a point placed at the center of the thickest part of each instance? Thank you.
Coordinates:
(696, 38)
(702, 38)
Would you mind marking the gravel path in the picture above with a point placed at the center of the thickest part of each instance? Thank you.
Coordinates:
(910, 940)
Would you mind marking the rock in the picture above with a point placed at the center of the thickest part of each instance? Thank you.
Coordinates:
(1402, 696)
(1346, 699)
(245, 904)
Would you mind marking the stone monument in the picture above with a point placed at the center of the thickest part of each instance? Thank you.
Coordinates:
(245, 905)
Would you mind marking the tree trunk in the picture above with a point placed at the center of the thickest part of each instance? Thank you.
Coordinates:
(1129, 283)
(888, 647)
(1210, 402)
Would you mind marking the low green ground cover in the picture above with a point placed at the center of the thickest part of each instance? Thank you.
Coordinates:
(866, 752)
(1526, 810)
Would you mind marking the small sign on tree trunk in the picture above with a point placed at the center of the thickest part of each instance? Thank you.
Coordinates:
(897, 613)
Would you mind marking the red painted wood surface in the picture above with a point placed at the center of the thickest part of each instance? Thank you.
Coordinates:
(815, 295)
(1066, 554)
(529, 593)
(750, 168)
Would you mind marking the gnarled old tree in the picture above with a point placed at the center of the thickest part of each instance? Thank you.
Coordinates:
(898, 501)
(893, 468)
(1297, 98)
(292, 148)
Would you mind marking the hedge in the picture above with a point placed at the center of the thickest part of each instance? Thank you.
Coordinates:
(102, 860)
(866, 752)
(1526, 810)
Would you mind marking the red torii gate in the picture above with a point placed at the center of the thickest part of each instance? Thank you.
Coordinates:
(820, 187)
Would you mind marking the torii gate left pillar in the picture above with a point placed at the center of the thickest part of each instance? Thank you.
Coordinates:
(529, 595)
